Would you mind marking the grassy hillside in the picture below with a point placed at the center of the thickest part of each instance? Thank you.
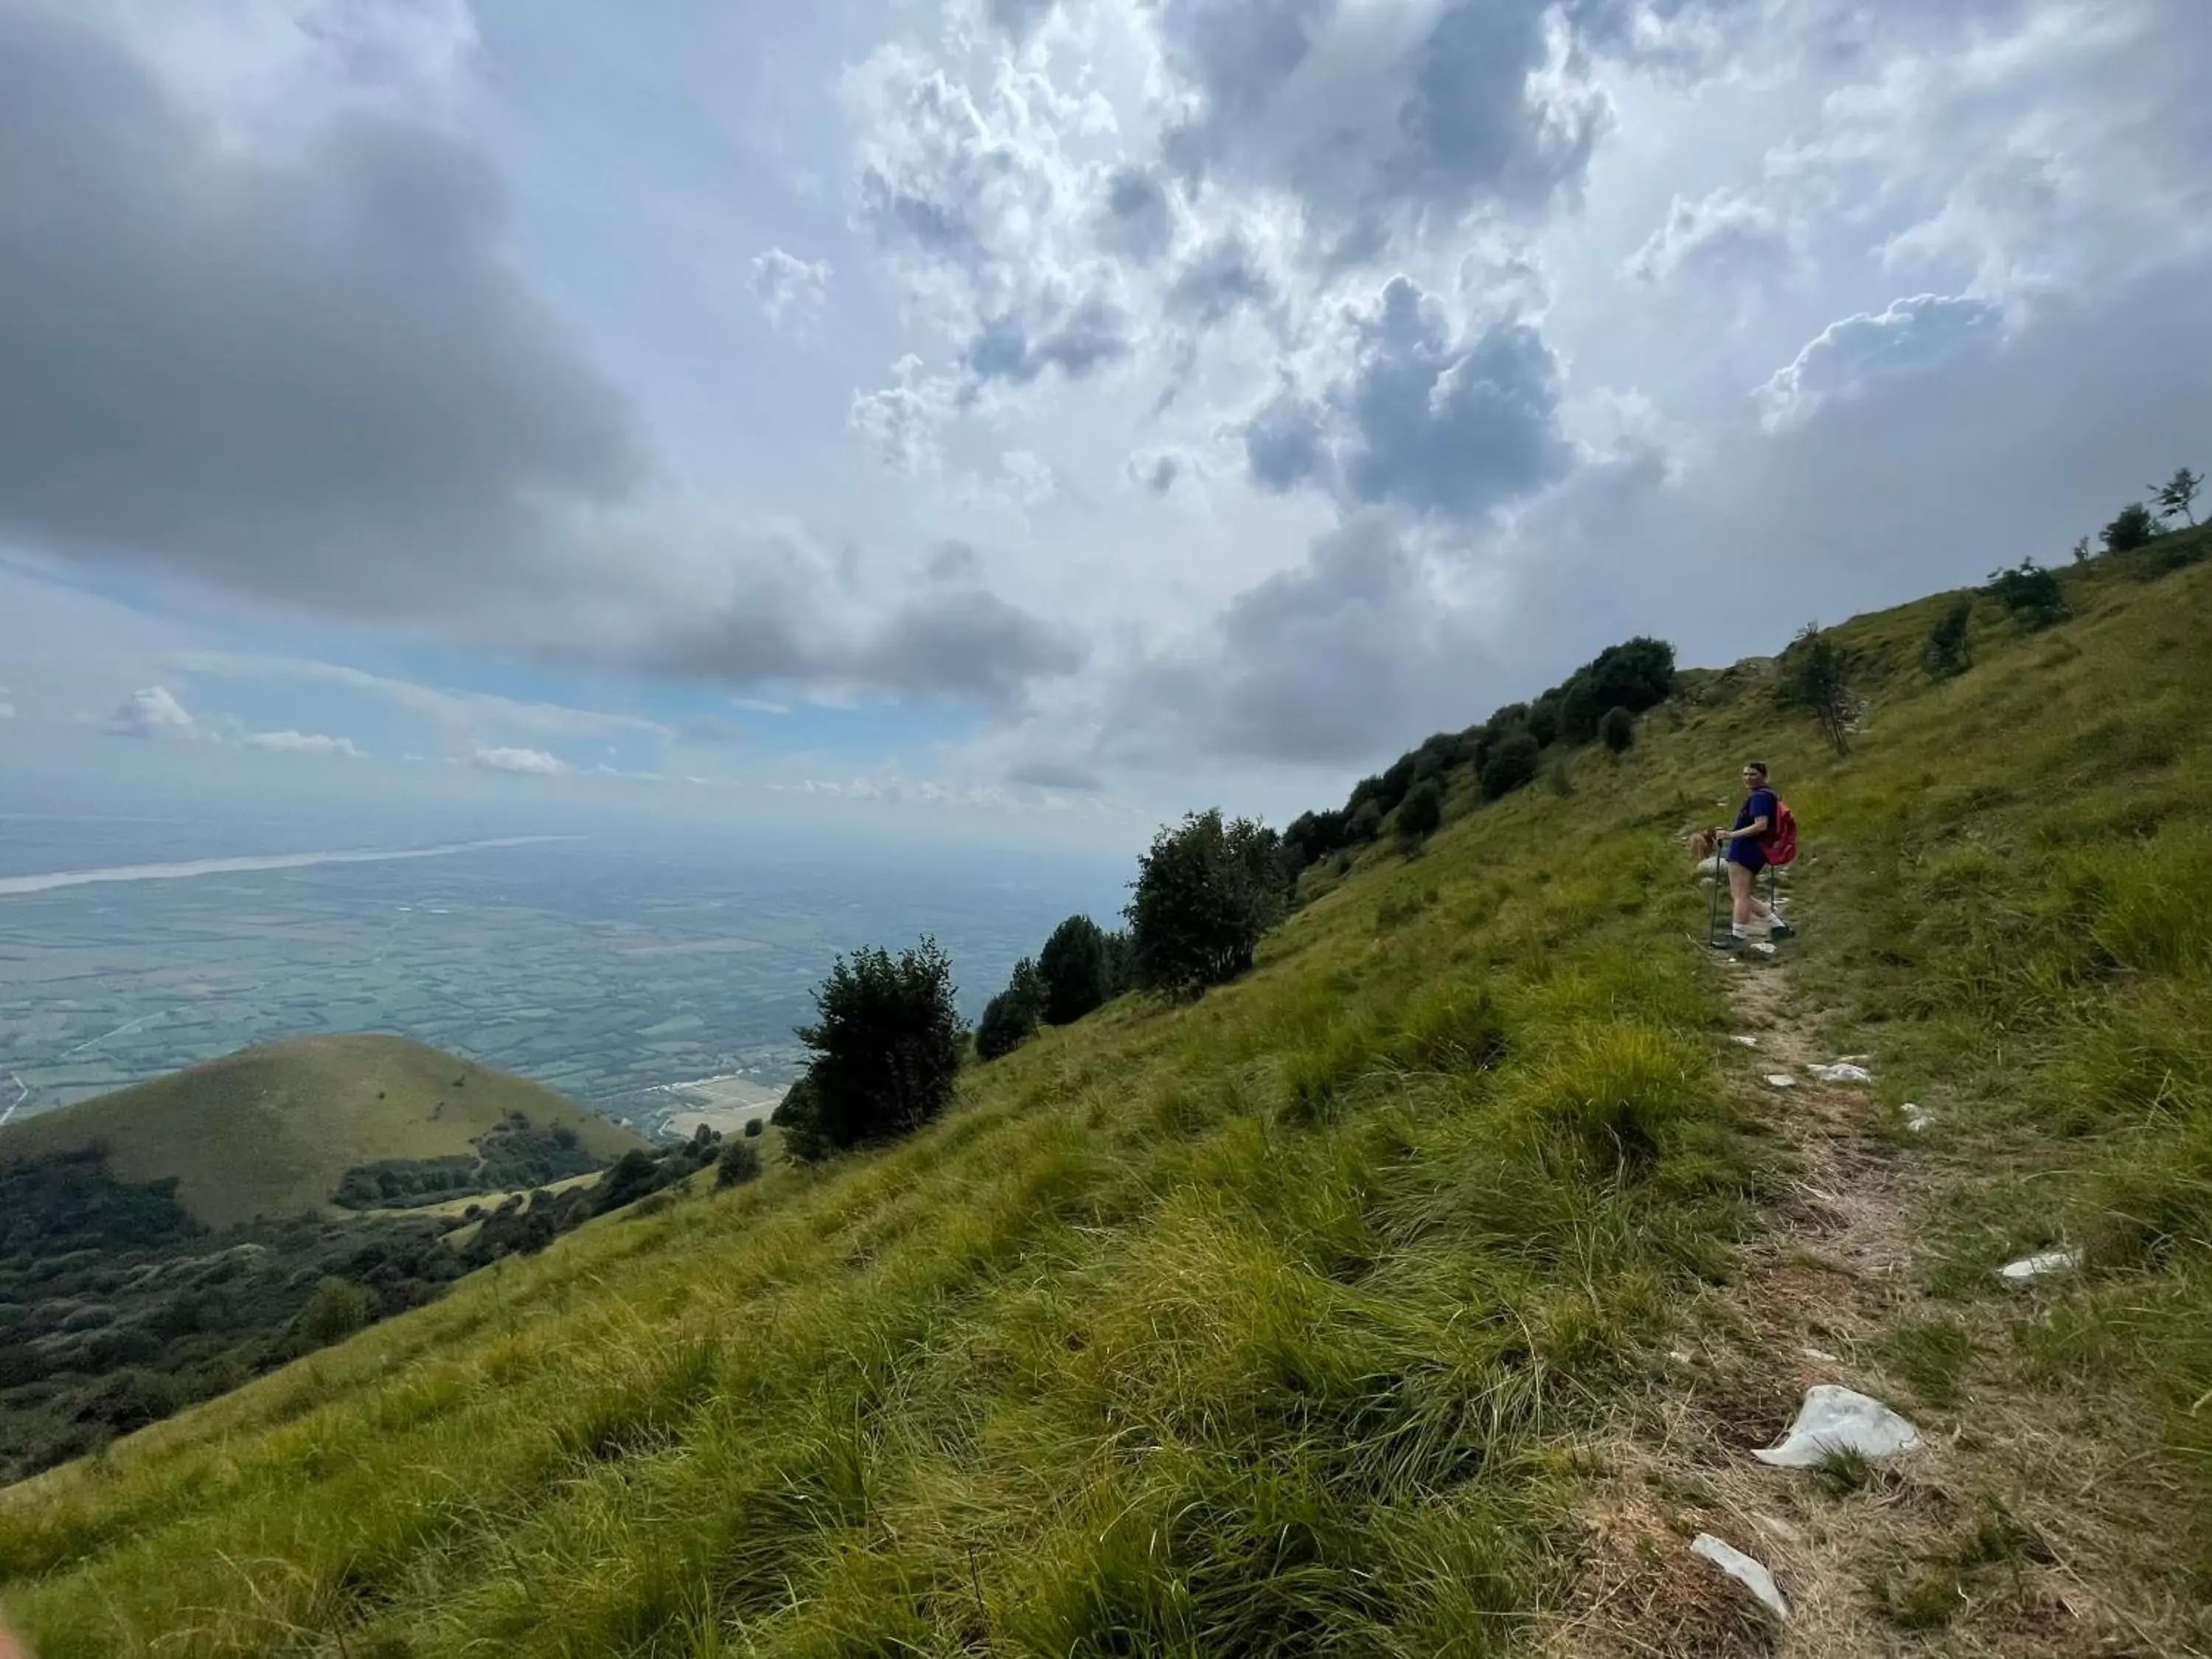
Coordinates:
(1366, 1306)
(268, 1132)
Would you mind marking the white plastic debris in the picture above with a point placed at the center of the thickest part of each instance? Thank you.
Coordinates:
(1748, 1042)
(1836, 1420)
(1781, 1080)
(1842, 1072)
(2035, 1267)
(1752, 1575)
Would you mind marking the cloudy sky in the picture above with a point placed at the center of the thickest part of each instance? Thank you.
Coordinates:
(1039, 415)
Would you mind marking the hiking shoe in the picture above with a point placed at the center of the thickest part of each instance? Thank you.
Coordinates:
(1781, 929)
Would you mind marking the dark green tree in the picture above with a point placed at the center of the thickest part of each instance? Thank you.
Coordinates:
(1205, 892)
(886, 1044)
(1618, 728)
(2132, 527)
(1073, 966)
(1366, 823)
(2031, 593)
(1945, 653)
(338, 1309)
(739, 1164)
(799, 1116)
(1512, 765)
(1009, 1019)
(1422, 811)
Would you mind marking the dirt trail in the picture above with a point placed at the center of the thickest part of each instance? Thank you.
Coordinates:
(1958, 1548)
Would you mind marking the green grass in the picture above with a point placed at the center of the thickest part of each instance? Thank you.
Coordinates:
(268, 1131)
(1280, 1324)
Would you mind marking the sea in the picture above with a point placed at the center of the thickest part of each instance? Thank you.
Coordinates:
(609, 965)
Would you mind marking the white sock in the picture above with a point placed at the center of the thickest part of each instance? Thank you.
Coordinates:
(1739, 930)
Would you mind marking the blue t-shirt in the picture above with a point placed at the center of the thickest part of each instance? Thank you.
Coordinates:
(1748, 852)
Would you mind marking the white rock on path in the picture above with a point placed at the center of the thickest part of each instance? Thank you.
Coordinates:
(1835, 1419)
(1781, 1080)
(2035, 1267)
(1751, 1574)
(1842, 1072)
(1916, 1116)
(1748, 1042)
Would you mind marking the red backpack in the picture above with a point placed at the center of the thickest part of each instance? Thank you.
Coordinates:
(1779, 844)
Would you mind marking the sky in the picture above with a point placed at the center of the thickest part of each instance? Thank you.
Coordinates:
(1028, 420)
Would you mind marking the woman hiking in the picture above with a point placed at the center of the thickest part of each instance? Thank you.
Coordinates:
(1743, 855)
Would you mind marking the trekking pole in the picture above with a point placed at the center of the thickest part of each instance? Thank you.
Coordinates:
(1713, 904)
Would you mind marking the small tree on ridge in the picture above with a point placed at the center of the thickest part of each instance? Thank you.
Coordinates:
(1205, 891)
(886, 1042)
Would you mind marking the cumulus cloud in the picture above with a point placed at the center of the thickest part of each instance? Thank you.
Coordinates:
(301, 742)
(1726, 238)
(1135, 220)
(1406, 109)
(1056, 774)
(292, 414)
(153, 712)
(1423, 420)
(1157, 469)
(901, 422)
(1907, 337)
(528, 762)
(789, 287)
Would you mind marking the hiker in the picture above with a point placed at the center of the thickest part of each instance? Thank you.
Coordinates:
(13, 1647)
(1743, 851)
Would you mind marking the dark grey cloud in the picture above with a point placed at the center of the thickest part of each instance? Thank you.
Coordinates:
(1283, 443)
(1453, 427)
(319, 379)
(1135, 221)
(1076, 340)
(1422, 421)
(1223, 276)
(1020, 18)
(781, 621)
(1156, 471)
(1360, 118)
(1329, 663)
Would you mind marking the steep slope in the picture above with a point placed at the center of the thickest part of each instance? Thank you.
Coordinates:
(1331, 1314)
(269, 1131)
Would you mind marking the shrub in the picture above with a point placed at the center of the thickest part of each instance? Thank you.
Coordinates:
(2029, 594)
(1945, 653)
(338, 1309)
(2132, 527)
(1008, 1022)
(739, 1164)
(1205, 892)
(752, 1127)
(1511, 765)
(1072, 968)
(1816, 677)
(1422, 812)
(1618, 728)
(886, 1042)
(1366, 822)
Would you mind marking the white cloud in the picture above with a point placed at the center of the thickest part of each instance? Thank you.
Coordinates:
(532, 763)
(1907, 337)
(301, 742)
(790, 288)
(153, 712)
